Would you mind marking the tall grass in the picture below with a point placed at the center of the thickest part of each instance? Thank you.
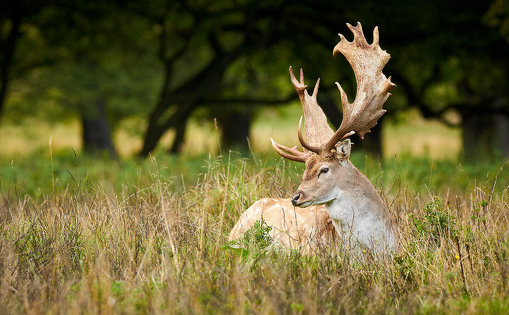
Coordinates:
(151, 237)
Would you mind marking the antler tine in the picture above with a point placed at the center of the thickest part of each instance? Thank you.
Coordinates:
(305, 145)
(315, 90)
(293, 154)
(358, 33)
(300, 87)
(367, 62)
(376, 37)
(292, 150)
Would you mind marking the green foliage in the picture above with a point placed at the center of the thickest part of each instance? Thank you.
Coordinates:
(435, 223)
(82, 173)
(257, 236)
(176, 59)
(256, 241)
(498, 16)
(479, 211)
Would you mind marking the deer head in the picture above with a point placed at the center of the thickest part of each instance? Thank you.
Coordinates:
(325, 152)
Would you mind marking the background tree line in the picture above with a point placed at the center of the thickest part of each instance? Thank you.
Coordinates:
(165, 60)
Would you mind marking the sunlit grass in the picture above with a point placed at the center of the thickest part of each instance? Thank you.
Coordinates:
(31, 135)
(201, 137)
(411, 135)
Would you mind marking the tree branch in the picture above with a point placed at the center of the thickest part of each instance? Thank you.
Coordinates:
(254, 101)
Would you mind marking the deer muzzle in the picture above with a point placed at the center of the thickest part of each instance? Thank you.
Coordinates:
(298, 198)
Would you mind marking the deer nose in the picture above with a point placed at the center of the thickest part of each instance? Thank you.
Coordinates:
(296, 197)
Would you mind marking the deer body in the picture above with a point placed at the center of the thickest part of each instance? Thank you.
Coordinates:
(308, 229)
(351, 208)
(331, 181)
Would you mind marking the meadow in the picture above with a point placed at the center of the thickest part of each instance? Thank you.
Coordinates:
(93, 235)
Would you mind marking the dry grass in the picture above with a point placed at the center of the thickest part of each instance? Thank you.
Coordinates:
(159, 246)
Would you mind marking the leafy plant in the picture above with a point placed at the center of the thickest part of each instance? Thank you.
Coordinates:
(435, 223)
(256, 239)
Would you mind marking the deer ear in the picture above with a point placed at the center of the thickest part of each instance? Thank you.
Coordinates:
(343, 149)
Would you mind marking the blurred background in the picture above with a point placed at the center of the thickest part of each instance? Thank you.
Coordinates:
(129, 78)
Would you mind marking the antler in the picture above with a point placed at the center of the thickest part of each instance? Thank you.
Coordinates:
(367, 62)
(317, 130)
(290, 153)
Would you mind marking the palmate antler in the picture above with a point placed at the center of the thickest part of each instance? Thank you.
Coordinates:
(367, 62)
(317, 129)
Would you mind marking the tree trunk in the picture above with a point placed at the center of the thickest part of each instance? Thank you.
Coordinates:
(485, 136)
(180, 135)
(96, 132)
(235, 126)
(502, 134)
(152, 135)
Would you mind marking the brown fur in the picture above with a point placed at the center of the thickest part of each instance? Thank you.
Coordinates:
(307, 229)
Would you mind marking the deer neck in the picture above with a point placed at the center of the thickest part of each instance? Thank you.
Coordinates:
(359, 214)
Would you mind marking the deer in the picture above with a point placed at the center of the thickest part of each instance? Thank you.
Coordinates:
(335, 201)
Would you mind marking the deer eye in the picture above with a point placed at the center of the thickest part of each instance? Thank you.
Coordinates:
(324, 170)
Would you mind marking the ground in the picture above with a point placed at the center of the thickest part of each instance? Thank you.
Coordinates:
(82, 234)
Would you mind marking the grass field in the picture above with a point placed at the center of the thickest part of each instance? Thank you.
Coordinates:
(85, 235)
(413, 136)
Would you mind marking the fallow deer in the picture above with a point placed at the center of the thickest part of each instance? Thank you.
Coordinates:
(333, 194)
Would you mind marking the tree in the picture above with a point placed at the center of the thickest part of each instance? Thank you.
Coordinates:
(228, 59)
(90, 64)
(201, 41)
(462, 66)
(12, 16)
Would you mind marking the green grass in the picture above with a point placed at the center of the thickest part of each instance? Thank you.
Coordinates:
(40, 173)
(79, 234)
